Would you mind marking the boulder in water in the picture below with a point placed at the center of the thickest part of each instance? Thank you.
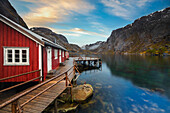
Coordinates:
(67, 107)
(82, 92)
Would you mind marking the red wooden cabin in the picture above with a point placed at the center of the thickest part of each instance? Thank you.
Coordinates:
(23, 51)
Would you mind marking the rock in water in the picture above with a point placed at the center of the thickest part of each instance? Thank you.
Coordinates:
(82, 92)
(67, 107)
(158, 90)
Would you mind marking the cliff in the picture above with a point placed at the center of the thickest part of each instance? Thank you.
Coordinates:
(49, 34)
(148, 34)
(7, 10)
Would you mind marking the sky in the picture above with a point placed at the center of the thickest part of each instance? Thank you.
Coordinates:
(85, 21)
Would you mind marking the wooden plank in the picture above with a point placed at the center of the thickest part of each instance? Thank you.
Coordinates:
(42, 101)
(3, 111)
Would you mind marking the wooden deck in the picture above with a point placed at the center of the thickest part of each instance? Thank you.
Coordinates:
(39, 103)
(85, 59)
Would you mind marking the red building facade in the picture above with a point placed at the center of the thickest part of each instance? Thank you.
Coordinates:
(22, 51)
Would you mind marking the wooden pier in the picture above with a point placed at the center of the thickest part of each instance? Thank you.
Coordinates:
(38, 97)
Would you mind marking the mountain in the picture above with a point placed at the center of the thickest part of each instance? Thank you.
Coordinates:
(7, 10)
(149, 33)
(49, 34)
(56, 38)
(94, 46)
(73, 48)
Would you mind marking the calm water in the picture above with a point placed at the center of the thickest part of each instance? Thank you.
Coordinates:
(124, 82)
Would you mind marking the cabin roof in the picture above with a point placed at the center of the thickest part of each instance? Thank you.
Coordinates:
(33, 36)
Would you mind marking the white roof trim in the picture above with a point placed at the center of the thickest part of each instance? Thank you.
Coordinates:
(13, 25)
(54, 44)
(5, 20)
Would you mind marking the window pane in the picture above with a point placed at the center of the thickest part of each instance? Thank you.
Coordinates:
(24, 60)
(16, 60)
(17, 56)
(24, 52)
(9, 51)
(24, 56)
(9, 55)
(9, 60)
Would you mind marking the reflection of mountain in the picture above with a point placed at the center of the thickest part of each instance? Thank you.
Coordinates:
(143, 71)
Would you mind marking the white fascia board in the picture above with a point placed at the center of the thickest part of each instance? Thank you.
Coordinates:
(28, 31)
(40, 61)
(60, 47)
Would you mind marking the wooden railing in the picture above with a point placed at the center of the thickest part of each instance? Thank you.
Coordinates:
(16, 107)
(6, 78)
(6, 89)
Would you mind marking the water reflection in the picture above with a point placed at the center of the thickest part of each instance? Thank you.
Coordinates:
(121, 86)
(144, 71)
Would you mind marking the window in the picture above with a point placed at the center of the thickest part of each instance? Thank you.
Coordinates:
(56, 53)
(16, 56)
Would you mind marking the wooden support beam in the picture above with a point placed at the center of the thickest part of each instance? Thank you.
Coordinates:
(66, 78)
(14, 106)
(55, 106)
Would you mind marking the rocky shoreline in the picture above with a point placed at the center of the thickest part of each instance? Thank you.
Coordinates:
(80, 94)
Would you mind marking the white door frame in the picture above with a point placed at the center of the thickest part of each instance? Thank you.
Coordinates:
(49, 59)
(60, 56)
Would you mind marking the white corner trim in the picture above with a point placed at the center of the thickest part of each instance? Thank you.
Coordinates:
(40, 61)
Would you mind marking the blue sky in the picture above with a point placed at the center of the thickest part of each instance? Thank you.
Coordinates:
(85, 21)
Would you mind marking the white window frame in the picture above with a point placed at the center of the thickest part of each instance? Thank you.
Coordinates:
(56, 53)
(13, 55)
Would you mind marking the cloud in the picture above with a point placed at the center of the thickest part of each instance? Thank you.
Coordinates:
(86, 32)
(77, 32)
(124, 8)
(43, 12)
(72, 34)
(100, 27)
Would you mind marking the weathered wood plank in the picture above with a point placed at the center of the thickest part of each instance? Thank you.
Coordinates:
(42, 101)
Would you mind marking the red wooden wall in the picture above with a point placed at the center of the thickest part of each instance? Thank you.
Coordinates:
(44, 62)
(55, 62)
(62, 56)
(11, 38)
(67, 54)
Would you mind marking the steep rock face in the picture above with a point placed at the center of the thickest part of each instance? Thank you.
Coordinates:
(7, 10)
(94, 46)
(147, 32)
(49, 34)
(73, 48)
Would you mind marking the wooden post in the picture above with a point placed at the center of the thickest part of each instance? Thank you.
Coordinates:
(71, 93)
(41, 79)
(14, 106)
(66, 79)
(55, 106)
(73, 61)
(74, 70)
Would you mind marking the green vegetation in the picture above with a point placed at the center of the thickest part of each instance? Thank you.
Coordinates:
(162, 50)
(151, 51)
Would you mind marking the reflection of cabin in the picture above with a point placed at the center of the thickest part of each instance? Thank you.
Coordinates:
(23, 51)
